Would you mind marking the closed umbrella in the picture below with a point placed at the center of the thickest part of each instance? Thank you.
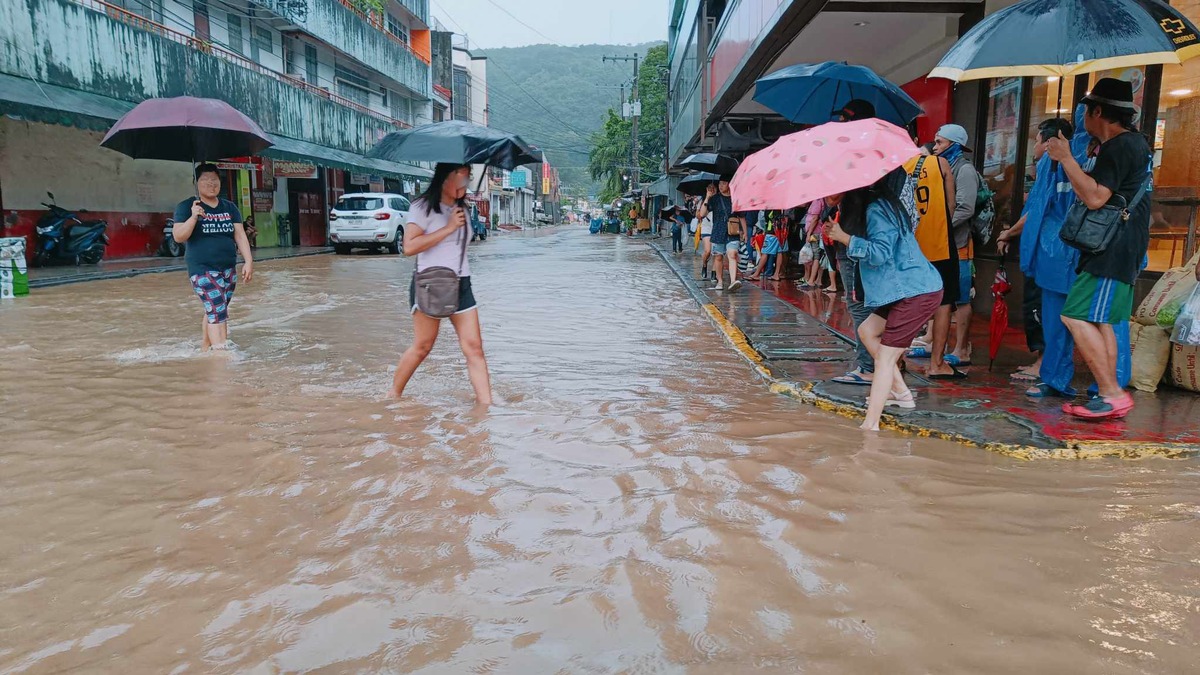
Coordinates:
(811, 93)
(829, 159)
(999, 321)
(710, 162)
(456, 142)
(697, 183)
(185, 129)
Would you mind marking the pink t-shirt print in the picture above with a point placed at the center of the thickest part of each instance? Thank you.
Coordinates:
(447, 252)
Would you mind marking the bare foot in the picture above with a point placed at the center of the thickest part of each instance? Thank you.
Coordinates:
(865, 427)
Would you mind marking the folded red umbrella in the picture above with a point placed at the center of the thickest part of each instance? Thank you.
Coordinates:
(999, 322)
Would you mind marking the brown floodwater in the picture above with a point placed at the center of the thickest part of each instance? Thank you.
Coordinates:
(636, 502)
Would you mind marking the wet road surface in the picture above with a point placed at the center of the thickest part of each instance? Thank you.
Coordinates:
(636, 503)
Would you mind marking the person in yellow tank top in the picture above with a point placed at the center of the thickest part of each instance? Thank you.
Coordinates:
(934, 193)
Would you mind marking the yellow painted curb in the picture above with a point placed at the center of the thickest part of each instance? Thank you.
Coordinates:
(803, 391)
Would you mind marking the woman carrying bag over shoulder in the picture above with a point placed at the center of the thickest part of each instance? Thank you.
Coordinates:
(436, 236)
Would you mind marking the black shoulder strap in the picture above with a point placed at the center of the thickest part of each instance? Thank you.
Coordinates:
(1140, 193)
(917, 170)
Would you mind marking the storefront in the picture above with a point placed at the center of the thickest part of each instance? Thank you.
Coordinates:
(1169, 98)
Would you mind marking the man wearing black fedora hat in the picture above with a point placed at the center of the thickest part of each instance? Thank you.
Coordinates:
(1102, 294)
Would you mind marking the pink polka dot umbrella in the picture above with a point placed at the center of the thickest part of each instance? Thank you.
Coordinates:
(825, 160)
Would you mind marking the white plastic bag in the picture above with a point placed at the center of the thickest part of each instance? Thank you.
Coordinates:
(1187, 326)
(806, 254)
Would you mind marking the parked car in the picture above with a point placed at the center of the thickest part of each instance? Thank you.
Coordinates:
(373, 220)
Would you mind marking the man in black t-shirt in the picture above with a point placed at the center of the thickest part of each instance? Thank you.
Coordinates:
(1102, 294)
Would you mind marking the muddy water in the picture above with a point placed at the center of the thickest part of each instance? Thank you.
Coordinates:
(637, 502)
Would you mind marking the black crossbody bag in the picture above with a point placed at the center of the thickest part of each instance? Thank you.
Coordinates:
(1093, 231)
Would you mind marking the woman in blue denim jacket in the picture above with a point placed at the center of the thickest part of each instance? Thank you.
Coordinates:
(900, 286)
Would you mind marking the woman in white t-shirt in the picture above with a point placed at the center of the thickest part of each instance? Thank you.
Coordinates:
(436, 234)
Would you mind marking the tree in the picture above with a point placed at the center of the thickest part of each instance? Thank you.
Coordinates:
(610, 159)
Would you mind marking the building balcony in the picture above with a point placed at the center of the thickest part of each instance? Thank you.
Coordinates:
(366, 38)
(97, 48)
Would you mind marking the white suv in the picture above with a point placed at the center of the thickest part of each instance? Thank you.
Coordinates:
(368, 220)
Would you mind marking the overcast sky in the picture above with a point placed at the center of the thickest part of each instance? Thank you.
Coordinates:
(566, 22)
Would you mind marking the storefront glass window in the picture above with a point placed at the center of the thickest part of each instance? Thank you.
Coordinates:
(1176, 160)
(999, 147)
(1046, 106)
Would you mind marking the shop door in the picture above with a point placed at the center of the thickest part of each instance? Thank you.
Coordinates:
(312, 220)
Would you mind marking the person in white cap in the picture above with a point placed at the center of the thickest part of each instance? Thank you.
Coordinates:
(951, 145)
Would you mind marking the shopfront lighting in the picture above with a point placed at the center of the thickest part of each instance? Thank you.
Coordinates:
(1180, 92)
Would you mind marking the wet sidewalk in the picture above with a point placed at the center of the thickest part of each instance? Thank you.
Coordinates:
(41, 277)
(800, 340)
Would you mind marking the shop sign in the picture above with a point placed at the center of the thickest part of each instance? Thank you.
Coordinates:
(268, 173)
(518, 179)
(236, 166)
(264, 200)
(246, 200)
(294, 170)
(359, 179)
(545, 186)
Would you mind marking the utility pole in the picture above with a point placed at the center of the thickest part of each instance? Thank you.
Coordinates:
(634, 112)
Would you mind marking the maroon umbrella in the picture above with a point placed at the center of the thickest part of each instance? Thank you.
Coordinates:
(185, 129)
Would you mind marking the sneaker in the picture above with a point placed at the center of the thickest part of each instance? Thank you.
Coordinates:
(1100, 408)
(735, 285)
(718, 287)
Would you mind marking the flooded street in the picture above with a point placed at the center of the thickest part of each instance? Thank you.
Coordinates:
(636, 502)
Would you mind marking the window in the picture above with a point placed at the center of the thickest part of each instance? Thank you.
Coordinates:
(401, 108)
(398, 29)
(234, 23)
(353, 93)
(359, 204)
(999, 147)
(1045, 106)
(462, 94)
(310, 64)
(266, 42)
(1176, 135)
(399, 204)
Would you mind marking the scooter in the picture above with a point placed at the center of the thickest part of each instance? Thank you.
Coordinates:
(169, 247)
(62, 238)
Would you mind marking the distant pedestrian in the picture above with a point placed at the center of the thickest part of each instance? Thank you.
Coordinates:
(951, 144)
(1102, 294)
(899, 284)
(434, 237)
(212, 228)
(677, 224)
(719, 203)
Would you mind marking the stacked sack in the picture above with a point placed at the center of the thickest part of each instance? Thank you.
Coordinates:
(1168, 311)
(14, 275)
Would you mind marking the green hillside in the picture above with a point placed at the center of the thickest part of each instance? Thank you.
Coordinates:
(556, 97)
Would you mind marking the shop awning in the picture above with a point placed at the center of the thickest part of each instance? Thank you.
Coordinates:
(50, 104)
(661, 187)
(302, 151)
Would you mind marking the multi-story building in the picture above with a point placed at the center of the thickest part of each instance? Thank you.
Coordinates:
(719, 48)
(324, 78)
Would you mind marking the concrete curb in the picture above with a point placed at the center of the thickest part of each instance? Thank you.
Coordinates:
(804, 392)
(125, 274)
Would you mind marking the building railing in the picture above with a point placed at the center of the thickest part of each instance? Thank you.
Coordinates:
(444, 92)
(207, 47)
(377, 21)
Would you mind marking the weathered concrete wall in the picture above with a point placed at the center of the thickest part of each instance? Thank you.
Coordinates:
(135, 197)
(62, 43)
(330, 21)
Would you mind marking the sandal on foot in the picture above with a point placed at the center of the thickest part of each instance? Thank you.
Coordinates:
(1101, 408)
(919, 353)
(1024, 376)
(1043, 390)
(852, 377)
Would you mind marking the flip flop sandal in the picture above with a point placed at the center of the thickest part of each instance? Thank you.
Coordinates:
(852, 378)
(1043, 390)
(955, 375)
(1024, 376)
(919, 353)
(954, 362)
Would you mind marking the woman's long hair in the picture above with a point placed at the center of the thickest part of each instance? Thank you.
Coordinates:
(433, 195)
(886, 190)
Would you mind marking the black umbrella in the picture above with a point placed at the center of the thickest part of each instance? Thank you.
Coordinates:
(1063, 38)
(712, 163)
(697, 183)
(456, 142)
(185, 129)
(672, 211)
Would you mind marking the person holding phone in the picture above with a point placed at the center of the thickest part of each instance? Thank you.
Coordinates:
(719, 202)
(434, 234)
(212, 229)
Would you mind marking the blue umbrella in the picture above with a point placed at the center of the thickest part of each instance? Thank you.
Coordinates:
(811, 93)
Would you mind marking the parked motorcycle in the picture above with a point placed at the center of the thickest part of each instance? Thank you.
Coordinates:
(64, 239)
(169, 247)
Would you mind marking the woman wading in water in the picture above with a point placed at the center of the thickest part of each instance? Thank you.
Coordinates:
(435, 235)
